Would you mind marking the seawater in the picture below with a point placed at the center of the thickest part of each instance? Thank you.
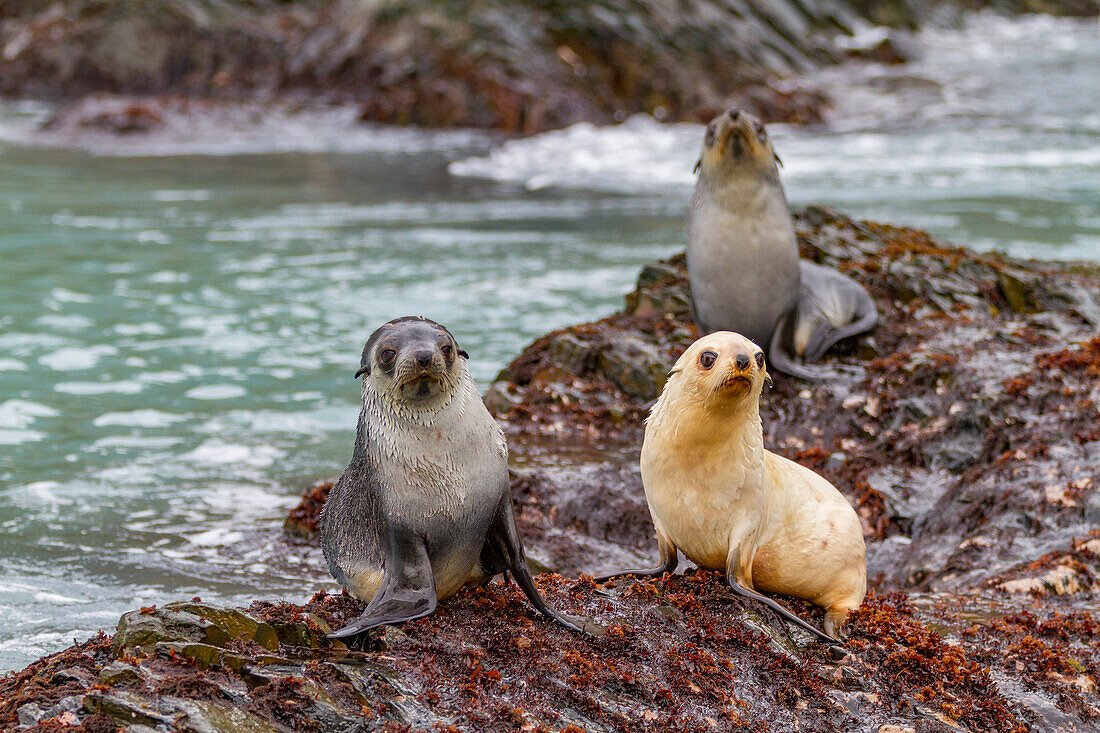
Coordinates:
(181, 315)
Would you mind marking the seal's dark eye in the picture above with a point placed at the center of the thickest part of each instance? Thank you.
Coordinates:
(712, 131)
(447, 351)
(760, 131)
(760, 359)
(387, 355)
(707, 359)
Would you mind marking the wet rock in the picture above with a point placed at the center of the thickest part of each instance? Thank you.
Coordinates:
(119, 674)
(129, 708)
(522, 66)
(204, 716)
(30, 714)
(635, 366)
(301, 522)
(230, 624)
(116, 116)
(1060, 581)
(979, 399)
(499, 397)
(968, 446)
(191, 622)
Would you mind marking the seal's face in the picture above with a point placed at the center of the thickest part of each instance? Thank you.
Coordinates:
(737, 141)
(412, 360)
(721, 370)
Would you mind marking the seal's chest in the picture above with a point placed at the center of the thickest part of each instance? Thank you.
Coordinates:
(696, 511)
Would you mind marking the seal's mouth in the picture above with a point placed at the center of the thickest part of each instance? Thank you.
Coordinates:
(739, 380)
(422, 384)
(732, 139)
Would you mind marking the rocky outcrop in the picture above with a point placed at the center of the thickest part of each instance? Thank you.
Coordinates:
(522, 66)
(964, 429)
(679, 654)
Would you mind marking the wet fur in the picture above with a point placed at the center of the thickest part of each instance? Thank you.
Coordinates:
(423, 507)
(719, 496)
(743, 259)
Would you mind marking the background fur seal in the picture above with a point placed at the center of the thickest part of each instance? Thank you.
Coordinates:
(743, 256)
(717, 495)
(424, 506)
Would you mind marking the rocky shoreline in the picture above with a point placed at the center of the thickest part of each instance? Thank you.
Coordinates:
(520, 67)
(965, 430)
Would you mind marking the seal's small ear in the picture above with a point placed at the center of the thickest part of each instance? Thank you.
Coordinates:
(674, 371)
(698, 165)
(463, 354)
(768, 379)
(362, 371)
(777, 160)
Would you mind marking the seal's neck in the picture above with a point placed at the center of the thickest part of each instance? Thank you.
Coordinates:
(742, 191)
(693, 426)
(390, 415)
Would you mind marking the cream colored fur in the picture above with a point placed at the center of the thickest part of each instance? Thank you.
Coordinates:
(719, 496)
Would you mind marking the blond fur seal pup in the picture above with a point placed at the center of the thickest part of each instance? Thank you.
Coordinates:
(717, 495)
(424, 506)
(743, 256)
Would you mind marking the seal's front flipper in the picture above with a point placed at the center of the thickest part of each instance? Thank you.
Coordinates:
(407, 591)
(502, 544)
(669, 559)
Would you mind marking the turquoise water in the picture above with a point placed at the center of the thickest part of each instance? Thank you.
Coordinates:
(178, 337)
(179, 329)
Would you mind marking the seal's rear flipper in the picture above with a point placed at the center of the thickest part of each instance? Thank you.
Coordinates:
(743, 591)
(833, 306)
(407, 591)
(502, 544)
(782, 361)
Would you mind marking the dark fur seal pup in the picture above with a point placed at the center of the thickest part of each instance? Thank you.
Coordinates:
(424, 507)
(743, 256)
(716, 494)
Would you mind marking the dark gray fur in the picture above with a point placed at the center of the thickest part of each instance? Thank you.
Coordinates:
(425, 499)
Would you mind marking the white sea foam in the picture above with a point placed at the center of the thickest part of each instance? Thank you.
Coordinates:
(70, 359)
(57, 599)
(216, 392)
(639, 154)
(16, 414)
(147, 418)
(217, 537)
(64, 321)
(195, 194)
(217, 453)
(124, 386)
(139, 329)
(11, 436)
(145, 442)
(235, 130)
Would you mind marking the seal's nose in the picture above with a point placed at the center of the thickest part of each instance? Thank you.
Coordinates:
(734, 114)
(424, 358)
(743, 361)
